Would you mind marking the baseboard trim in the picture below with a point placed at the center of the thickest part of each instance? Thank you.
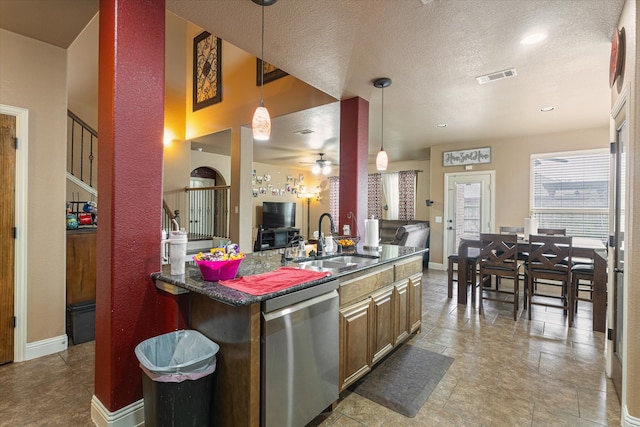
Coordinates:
(130, 415)
(627, 419)
(46, 347)
(436, 266)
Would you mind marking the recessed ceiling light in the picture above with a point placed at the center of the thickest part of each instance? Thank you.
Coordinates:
(533, 38)
(547, 109)
(442, 125)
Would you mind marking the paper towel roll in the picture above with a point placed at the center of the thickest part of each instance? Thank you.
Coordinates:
(527, 228)
(371, 232)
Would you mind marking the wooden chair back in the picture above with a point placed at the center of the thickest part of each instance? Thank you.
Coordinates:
(549, 254)
(552, 231)
(511, 230)
(499, 251)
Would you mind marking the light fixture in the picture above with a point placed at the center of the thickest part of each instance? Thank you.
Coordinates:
(261, 123)
(547, 109)
(321, 166)
(382, 160)
(533, 38)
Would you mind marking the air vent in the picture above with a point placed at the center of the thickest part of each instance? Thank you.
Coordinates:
(304, 132)
(499, 75)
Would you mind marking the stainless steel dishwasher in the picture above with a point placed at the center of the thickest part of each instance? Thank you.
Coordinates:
(299, 355)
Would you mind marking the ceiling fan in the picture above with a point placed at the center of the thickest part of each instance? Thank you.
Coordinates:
(321, 166)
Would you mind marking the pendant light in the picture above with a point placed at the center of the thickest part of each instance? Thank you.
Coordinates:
(382, 160)
(261, 123)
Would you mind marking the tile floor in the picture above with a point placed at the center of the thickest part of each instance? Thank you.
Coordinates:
(534, 373)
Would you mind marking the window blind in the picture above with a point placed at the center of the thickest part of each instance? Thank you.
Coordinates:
(571, 191)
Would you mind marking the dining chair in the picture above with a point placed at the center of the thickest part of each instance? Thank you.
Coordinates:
(582, 283)
(552, 231)
(499, 258)
(504, 229)
(549, 266)
(472, 266)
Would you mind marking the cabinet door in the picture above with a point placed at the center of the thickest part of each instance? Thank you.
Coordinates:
(382, 323)
(401, 321)
(355, 342)
(415, 302)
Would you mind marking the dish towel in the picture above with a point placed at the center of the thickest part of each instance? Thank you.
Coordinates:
(273, 281)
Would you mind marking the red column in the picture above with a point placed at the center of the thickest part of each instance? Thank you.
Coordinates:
(130, 157)
(354, 161)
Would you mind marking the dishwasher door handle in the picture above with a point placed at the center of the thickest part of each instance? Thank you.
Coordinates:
(299, 306)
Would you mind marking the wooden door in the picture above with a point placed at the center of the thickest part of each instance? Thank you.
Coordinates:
(401, 314)
(355, 342)
(7, 241)
(382, 323)
(415, 302)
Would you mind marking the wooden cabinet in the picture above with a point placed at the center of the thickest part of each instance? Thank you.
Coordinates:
(401, 316)
(415, 302)
(382, 323)
(81, 265)
(355, 342)
(274, 238)
(379, 309)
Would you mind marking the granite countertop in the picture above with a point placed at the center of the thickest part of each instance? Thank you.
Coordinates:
(263, 262)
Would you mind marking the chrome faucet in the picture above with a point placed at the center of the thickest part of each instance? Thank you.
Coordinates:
(320, 246)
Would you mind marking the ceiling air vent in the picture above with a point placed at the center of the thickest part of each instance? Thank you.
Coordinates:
(498, 75)
(303, 132)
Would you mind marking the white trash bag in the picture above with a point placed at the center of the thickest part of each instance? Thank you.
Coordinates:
(177, 356)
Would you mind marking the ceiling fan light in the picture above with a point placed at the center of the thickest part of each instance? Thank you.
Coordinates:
(261, 124)
(316, 169)
(382, 160)
(326, 170)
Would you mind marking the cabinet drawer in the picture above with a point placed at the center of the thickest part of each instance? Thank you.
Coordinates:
(362, 285)
(407, 267)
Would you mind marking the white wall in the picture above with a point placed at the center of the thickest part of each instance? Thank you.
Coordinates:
(33, 75)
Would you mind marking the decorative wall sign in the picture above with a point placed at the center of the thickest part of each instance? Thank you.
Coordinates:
(466, 157)
(271, 72)
(207, 70)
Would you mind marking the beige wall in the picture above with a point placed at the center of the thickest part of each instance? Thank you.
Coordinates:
(33, 75)
(510, 159)
(631, 322)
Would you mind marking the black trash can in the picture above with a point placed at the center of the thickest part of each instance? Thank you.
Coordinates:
(81, 322)
(177, 380)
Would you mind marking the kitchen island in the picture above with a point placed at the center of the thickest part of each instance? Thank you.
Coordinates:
(380, 305)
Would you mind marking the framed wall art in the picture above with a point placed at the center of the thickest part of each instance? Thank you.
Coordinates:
(466, 157)
(207, 70)
(271, 72)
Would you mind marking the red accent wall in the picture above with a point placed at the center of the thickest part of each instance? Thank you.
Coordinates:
(129, 309)
(354, 160)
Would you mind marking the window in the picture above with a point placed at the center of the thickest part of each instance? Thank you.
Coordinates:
(571, 190)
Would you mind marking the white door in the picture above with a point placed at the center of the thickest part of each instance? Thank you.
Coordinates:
(468, 207)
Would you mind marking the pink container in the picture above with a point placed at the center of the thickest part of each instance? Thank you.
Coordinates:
(213, 271)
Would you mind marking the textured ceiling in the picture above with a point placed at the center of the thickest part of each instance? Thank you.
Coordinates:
(433, 52)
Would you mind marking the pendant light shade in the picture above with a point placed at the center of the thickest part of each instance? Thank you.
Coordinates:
(382, 160)
(261, 123)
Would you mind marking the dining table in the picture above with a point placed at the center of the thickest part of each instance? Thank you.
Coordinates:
(582, 247)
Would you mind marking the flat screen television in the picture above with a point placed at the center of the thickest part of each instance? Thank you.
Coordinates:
(278, 214)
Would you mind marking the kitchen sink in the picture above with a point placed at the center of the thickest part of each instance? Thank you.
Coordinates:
(325, 264)
(337, 262)
(355, 259)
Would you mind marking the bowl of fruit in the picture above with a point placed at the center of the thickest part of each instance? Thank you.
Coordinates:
(348, 243)
(219, 263)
